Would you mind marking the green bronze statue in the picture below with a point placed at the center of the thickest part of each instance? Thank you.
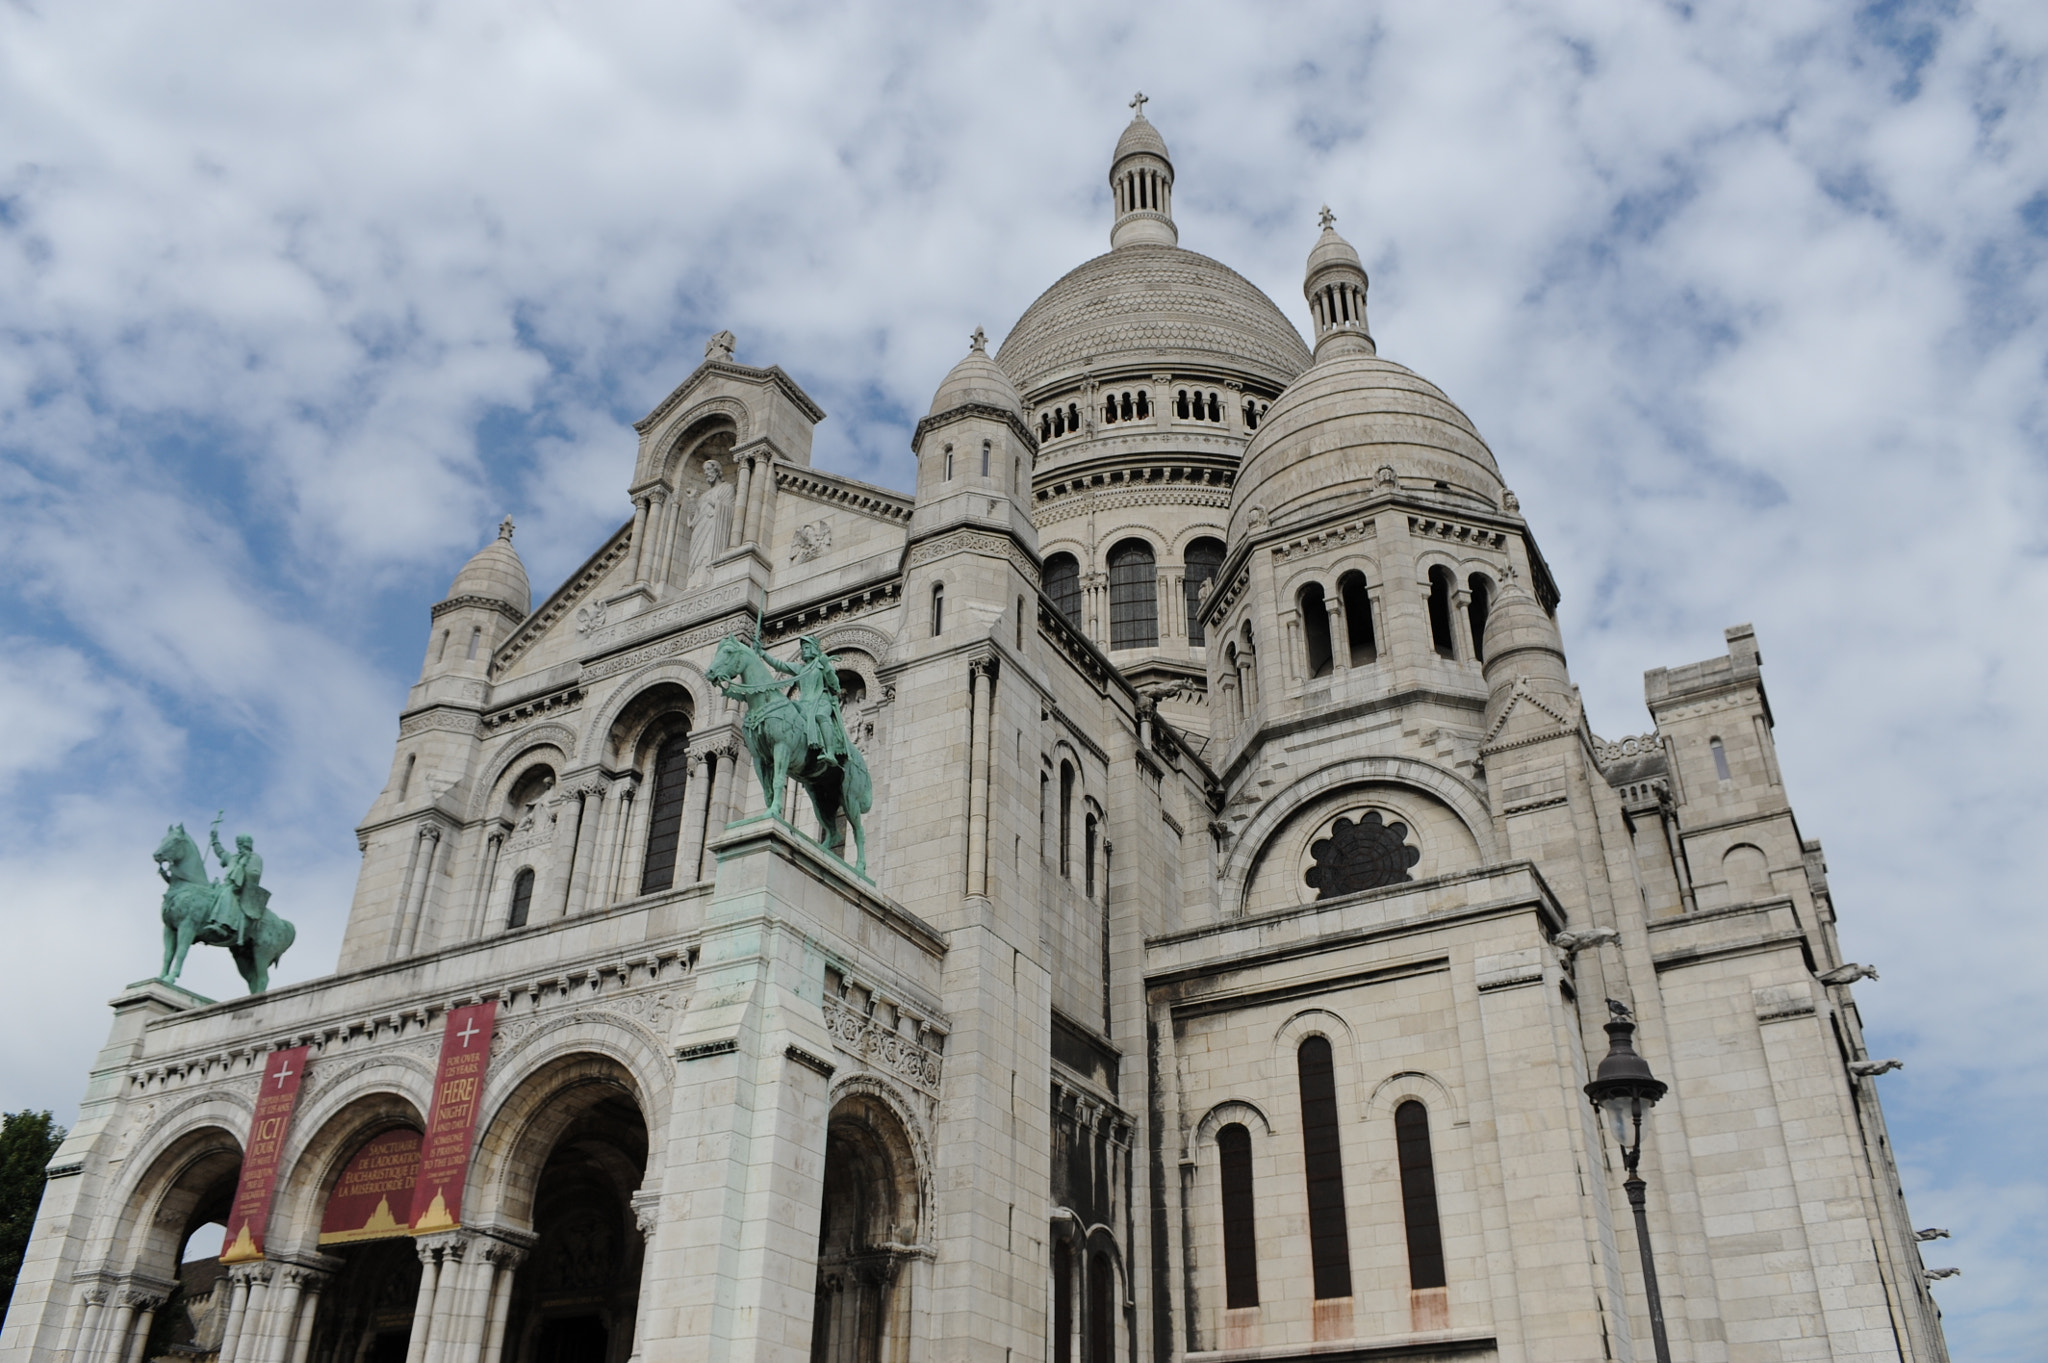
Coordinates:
(232, 912)
(802, 737)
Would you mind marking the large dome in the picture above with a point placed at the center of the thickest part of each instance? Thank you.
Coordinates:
(1325, 439)
(1151, 305)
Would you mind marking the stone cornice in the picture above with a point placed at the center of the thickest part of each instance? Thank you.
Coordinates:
(489, 603)
(984, 410)
(836, 490)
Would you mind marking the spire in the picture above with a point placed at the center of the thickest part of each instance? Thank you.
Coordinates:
(1141, 184)
(1335, 288)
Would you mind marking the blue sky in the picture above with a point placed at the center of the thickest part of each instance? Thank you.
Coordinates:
(296, 302)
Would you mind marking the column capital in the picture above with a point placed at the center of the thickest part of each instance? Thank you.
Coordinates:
(447, 1245)
(647, 1212)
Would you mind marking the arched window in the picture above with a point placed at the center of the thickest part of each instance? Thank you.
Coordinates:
(1200, 562)
(1180, 405)
(1109, 408)
(1482, 602)
(522, 898)
(853, 689)
(1240, 1238)
(1127, 413)
(949, 463)
(1073, 416)
(1020, 622)
(1251, 415)
(1315, 628)
(1440, 611)
(443, 654)
(1323, 1162)
(938, 609)
(1101, 1309)
(1357, 618)
(1720, 759)
(1133, 596)
(1063, 586)
(405, 782)
(1418, 1197)
(1059, 421)
(984, 458)
(1215, 408)
(1063, 1303)
(665, 812)
(1044, 427)
(1144, 405)
(476, 638)
(1088, 855)
(1067, 819)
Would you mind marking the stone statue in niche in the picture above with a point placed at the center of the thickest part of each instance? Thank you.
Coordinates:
(710, 524)
(1361, 856)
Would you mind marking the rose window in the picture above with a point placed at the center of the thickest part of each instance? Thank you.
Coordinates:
(1361, 856)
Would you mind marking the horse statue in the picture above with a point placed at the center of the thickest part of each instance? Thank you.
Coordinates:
(233, 912)
(802, 737)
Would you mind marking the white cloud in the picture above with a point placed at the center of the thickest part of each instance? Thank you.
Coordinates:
(1744, 300)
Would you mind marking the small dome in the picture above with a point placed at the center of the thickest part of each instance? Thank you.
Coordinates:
(1331, 249)
(1140, 137)
(1330, 433)
(496, 573)
(977, 379)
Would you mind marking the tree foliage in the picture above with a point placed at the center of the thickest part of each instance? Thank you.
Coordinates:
(27, 1142)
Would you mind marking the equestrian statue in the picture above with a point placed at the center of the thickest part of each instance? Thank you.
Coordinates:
(799, 736)
(232, 912)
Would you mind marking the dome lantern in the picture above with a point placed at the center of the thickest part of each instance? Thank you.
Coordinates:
(1335, 288)
(1141, 182)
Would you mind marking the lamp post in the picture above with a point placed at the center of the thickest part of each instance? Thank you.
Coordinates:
(1625, 1090)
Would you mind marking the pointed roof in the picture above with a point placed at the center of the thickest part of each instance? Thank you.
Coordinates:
(977, 379)
(495, 573)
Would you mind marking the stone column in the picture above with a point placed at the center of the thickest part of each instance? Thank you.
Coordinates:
(696, 802)
(738, 535)
(1461, 623)
(639, 538)
(90, 1304)
(422, 889)
(647, 1216)
(404, 904)
(114, 1348)
(504, 1261)
(586, 853)
(487, 879)
(274, 1334)
(760, 523)
(1340, 635)
(248, 1344)
(624, 806)
(983, 671)
(236, 1312)
(311, 1281)
(440, 1262)
(722, 793)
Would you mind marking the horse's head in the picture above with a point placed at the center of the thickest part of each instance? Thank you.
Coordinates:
(728, 662)
(175, 840)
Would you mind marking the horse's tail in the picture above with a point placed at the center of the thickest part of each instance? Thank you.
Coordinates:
(857, 791)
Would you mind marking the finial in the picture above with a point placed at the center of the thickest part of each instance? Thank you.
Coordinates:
(978, 341)
(720, 346)
(1327, 218)
(1138, 102)
(505, 530)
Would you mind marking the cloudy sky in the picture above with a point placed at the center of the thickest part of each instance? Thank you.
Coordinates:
(297, 301)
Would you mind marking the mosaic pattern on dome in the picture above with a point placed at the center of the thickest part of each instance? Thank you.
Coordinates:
(1151, 303)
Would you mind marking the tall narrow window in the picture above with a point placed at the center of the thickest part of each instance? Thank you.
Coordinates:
(1020, 622)
(938, 609)
(1240, 1239)
(1144, 405)
(665, 813)
(1418, 1197)
(443, 654)
(1251, 415)
(1215, 408)
(1066, 819)
(1315, 628)
(1062, 1303)
(1440, 611)
(949, 463)
(1482, 602)
(1202, 559)
(1063, 585)
(1101, 1309)
(522, 898)
(1088, 855)
(1720, 759)
(1073, 416)
(476, 638)
(1180, 404)
(1133, 596)
(984, 458)
(1044, 786)
(1357, 618)
(1045, 428)
(1323, 1161)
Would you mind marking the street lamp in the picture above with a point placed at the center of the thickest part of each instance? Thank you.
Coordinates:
(1625, 1091)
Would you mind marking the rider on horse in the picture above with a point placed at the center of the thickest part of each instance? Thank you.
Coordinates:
(817, 694)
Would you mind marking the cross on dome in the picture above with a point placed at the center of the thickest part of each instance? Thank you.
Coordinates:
(1327, 218)
(505, 529)
(978, 341)
(1139, 101)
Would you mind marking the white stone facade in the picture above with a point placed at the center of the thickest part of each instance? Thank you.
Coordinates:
(1247, 886)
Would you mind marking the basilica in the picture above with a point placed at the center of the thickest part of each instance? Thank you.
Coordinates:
(1239, 910)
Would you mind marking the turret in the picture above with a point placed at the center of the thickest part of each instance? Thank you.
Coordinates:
(1141, 183)
(974, 452)
(485, 603)
(1524, 657)
(1335, 288)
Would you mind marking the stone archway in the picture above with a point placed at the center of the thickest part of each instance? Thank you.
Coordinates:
(873, 1208)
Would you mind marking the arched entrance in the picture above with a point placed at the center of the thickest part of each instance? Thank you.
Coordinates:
(575, 1297)
(870, 1221)
(179, 1294)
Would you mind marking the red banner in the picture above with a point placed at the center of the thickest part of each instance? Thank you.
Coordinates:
(372, 1200)
(451, 1126)
(282, 1074)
